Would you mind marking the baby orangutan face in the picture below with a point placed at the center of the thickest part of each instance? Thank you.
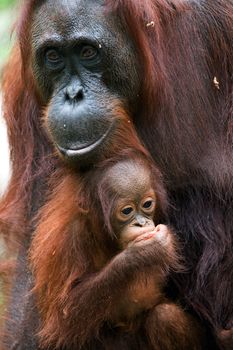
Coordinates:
(134, 217)
(134, 209)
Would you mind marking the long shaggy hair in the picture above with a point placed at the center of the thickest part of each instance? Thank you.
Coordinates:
(186, 53)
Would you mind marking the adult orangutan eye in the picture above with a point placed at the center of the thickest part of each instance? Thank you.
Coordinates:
(54, 59)
(88, 52)
(127, 210)
(53, 56)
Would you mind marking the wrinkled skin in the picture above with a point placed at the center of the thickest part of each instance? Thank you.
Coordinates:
(79, 66)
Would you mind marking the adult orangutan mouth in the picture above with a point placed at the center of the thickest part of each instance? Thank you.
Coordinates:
(87, 149)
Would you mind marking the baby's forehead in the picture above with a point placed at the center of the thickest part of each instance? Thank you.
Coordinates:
(129, 177)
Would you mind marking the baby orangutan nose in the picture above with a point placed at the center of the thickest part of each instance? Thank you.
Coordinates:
(142, 221)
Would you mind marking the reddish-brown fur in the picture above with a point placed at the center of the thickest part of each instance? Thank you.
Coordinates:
(71, 233)
(181, 54)
(85, 284)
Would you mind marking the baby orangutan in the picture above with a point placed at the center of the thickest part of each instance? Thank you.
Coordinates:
(132, 222)
(118, 300)
(134, 206)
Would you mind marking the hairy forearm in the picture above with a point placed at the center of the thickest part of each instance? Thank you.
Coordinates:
(95, 297)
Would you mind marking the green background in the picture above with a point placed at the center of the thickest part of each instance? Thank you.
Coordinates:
(7, 19)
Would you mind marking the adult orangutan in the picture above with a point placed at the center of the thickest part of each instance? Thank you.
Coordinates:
(166, 64)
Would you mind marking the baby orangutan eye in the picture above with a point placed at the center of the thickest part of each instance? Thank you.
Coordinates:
(148, 205)
(127, 211)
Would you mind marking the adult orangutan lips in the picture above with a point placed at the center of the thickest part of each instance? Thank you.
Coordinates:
(82, 151)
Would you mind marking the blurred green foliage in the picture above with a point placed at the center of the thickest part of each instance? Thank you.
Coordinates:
(7, 17)
(6, 3)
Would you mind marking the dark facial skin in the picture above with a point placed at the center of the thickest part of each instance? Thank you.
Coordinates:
(80, 67)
